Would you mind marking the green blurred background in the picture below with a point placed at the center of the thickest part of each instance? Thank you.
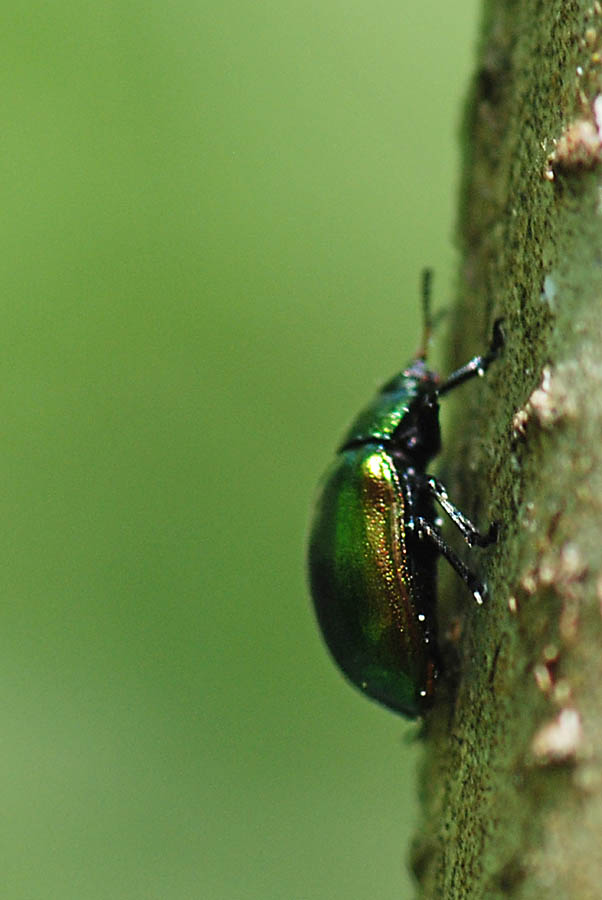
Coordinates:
(214, 220)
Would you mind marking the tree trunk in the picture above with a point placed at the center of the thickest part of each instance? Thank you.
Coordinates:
(512, 780)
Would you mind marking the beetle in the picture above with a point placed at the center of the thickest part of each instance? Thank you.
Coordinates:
(375, 538)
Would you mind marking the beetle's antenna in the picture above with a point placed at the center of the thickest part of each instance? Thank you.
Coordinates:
(427, 319)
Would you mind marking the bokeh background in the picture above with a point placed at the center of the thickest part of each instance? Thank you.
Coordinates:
(214, 218)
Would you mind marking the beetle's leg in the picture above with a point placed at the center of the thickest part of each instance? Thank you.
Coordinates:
(478, 365)
(425, 531)
(469, 532)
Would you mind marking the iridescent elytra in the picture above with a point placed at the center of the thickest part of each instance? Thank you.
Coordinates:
(375, 540)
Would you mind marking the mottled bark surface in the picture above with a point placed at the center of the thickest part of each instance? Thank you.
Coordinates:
(512, 780)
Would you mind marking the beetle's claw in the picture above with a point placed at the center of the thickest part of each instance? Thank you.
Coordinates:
(493, 533)
(498, 340)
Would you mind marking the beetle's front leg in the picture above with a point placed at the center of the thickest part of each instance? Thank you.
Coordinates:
(469, 532)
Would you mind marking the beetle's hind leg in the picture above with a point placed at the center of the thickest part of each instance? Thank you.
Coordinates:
(425, 531)
(469, 532)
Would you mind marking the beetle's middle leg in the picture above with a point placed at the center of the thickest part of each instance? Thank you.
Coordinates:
(469, 532)
(425, 531)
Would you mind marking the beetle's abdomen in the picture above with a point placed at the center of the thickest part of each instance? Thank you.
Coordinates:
(373, 612)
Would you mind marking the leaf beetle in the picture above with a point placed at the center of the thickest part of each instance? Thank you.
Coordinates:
(375, 541)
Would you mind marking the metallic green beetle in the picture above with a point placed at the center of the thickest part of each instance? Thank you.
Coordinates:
(375, 542)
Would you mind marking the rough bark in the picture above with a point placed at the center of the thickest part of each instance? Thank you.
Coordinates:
(512, 781)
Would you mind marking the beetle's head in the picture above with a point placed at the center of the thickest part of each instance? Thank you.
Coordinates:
(418, 435)
(415, 379)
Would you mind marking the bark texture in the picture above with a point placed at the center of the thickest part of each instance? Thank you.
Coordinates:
(512, 780)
